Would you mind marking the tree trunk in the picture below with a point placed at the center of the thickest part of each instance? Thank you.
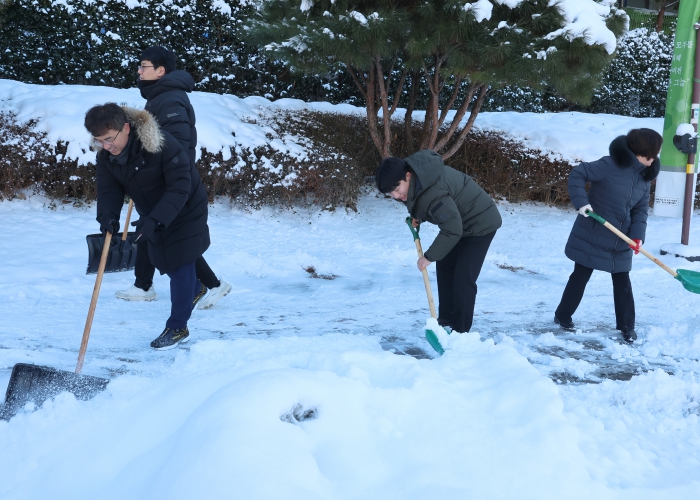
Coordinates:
(431, 126)
(660, 18)
(461, 111)
(408, 117)
(375, 89)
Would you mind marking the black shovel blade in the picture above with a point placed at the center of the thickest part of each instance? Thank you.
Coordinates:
(32, 383)
(121, 256)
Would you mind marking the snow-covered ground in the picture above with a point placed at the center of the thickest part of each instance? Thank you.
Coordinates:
(515, 409)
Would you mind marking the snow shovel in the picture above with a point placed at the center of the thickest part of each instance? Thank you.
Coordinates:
(430, 335)
(32, 383)
(122, 253)
(689, 279)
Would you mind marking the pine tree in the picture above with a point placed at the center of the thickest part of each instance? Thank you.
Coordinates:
(456, 49)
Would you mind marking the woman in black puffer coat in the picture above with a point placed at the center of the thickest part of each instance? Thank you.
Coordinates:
(619, 193)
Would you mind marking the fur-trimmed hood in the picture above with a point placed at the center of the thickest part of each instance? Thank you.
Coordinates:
(623, 157)
(146, 127)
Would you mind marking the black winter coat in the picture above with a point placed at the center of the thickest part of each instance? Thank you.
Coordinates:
(167, 100)
(164, 185)
(619, 193)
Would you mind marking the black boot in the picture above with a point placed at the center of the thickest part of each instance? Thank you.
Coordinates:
(629, 335)
(566, 325)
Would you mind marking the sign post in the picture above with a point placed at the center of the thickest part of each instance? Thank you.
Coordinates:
(676, 171)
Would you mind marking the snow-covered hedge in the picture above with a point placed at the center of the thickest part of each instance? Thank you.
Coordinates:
(98, 43)
(636, 82)
(337, 159)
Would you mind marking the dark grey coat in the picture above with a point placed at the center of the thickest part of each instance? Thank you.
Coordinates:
(158, 176)
(619, 193)
(167, 100)
(449, 198)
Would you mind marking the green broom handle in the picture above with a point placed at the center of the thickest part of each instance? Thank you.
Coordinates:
(631, 242)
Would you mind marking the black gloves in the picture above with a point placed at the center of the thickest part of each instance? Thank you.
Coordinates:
(145, 227)
(109, 223)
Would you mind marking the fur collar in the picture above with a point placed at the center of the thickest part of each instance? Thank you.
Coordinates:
(145, 126)
(623, 157)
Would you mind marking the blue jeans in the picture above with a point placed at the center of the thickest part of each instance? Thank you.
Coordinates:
(183, 287)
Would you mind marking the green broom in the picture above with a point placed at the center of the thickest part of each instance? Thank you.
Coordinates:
(430, 335)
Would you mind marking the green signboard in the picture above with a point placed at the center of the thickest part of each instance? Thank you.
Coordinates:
(680, 88)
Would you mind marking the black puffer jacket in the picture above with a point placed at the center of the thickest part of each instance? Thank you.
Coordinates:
(158, 176)
(619, 193)
(167, 100)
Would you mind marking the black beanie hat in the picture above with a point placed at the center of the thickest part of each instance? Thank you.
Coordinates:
(389, 173)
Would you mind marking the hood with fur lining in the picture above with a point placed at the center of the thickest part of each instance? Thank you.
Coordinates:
(623, 157)
(146, 127)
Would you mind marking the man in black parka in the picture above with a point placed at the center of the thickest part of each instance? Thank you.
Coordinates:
(165, 90)
(136, 158)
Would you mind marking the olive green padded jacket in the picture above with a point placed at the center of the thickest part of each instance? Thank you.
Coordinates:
(449, 198)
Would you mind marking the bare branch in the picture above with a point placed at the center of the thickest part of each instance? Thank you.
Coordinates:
(397, 96)
(360, 85)
(470, 123)
(435, 106)
(461, 111)
(408, 117)
(450, 103)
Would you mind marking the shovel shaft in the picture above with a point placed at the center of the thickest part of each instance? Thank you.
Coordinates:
(128, 218)
(426, 281)
(627, 240)
(93, 302)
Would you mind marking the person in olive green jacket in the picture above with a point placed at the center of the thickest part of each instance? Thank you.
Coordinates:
(467, 218)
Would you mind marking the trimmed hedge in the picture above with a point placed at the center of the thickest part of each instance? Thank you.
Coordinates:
(341, 160)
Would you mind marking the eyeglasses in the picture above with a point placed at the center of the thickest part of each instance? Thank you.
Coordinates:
(107, 143)
(142, 66)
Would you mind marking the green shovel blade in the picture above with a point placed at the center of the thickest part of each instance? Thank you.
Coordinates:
(689, 279)
(434, 342)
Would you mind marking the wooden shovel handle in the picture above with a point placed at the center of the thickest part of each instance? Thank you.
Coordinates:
(426, 281)
(128, 218)
(93, 302)
(646, 254)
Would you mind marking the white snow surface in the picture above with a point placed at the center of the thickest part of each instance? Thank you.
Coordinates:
(514, 409)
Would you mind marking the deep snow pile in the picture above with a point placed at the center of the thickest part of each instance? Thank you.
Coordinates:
(215, 418)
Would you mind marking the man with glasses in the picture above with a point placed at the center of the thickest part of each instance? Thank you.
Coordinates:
(136, 158)
(165, 90)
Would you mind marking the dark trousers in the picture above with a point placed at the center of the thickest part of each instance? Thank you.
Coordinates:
(144, 271)
(456, 278)
(622, 296)
(183, 287)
